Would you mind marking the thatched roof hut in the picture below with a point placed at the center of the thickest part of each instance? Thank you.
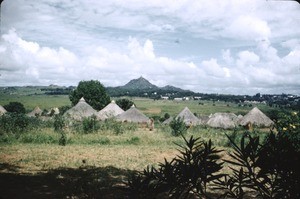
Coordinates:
(257, 118)
(2, 110)
(188, 117)
(167, 121)
(35, 112)
(133, 115)
(111, 110)
(80, 110)
(222, 120)
(203, 119)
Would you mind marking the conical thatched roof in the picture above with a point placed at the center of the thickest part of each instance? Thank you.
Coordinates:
(133, 115)
(80, 110)
(204, 119)
(222, 120)
(111, 110)
(2, 110)
(36, 112)
(167, 121)
(257, 118)
(188, 117)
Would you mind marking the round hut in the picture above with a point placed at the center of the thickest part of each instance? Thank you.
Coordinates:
(111, 110)
(36, 112)
(133, 115)
(256, 118)
(2, 110)
(222, 120)
(80, 111)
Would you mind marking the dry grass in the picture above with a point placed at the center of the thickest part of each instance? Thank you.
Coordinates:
(41, 158)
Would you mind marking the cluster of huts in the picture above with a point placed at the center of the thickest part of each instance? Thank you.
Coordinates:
(255, 117)
(217, 120)
(83, 110)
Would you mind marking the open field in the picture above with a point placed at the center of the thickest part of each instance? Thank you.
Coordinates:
(147, 106)
(97, 163)
(89, 165)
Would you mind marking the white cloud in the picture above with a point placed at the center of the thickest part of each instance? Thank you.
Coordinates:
(247, 58)
(173, 42)
(249, 28)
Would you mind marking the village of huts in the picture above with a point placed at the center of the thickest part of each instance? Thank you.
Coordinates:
(254, 118)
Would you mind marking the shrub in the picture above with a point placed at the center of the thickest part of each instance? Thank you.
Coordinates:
(124, 104)
(63, 139)
(63, 109)
(270, 169)
(17, 123)
(178, 127)
(89, 124)
(58, 123)
(15, 107)
(189, 173)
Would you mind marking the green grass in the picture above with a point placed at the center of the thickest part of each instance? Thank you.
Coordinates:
(160, 107)
(147, 106)
(31, 101)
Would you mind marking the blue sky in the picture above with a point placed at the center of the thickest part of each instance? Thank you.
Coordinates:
(230, 47)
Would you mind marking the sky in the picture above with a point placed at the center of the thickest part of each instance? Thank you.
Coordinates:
(207, 46)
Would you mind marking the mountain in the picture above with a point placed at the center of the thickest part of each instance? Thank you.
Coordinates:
(140, 84)
(172, 88)
(142, 87)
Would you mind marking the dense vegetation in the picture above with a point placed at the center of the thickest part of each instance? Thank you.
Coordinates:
(265, 170)
(93, 92)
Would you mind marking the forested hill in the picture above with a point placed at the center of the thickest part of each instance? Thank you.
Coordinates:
(141, 87)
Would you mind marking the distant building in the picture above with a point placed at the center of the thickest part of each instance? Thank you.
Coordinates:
(178, 98)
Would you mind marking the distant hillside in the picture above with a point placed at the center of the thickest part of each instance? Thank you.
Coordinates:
(141, 87)
(172, 88)
(140, 83)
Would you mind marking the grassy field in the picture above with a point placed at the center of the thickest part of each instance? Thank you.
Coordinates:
(94, 164)
(148, 106)
(90, 165)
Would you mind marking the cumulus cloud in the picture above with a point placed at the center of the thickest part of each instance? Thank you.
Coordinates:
(249, 28)
(206, 46)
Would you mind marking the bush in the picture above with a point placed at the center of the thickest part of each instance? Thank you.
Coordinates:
(89, 124)
(178, 127)
(58, 123)
(189, 173)
(270, 169)
(15, 107)
(18, 123)
(124, 104)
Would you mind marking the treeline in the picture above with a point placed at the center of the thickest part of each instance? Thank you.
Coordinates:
(155, 93)
(58, 90)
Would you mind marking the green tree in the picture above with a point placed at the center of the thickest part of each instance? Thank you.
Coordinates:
(93, 92)
(124, 104)
(15, 107)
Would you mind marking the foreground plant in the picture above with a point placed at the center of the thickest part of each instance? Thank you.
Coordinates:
(189, 173)
(268, 170)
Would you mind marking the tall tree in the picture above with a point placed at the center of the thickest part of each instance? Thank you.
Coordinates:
(93, 92)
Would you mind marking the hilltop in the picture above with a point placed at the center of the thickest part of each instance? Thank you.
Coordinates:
(143, 88)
